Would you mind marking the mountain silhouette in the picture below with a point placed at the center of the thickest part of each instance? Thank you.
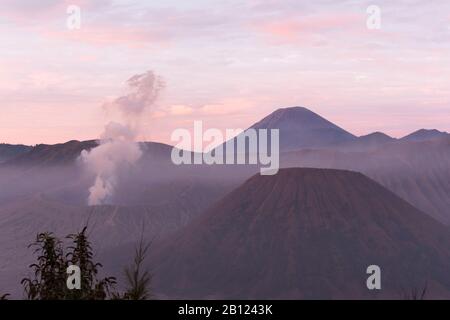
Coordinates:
(301, 128)
(376, 138)
(49, 155)
(425, 134)
(9, 151)
(67, 153)
(367, 142)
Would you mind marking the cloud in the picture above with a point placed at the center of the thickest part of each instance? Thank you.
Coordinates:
(180, 110)
(229, 106)
(293, 29)
(43, 12)
(132, 37)
(106, 22)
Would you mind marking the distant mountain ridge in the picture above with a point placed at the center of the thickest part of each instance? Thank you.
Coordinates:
(367, 142)
(10, 151)
(425, 134)
(300, 128)
(66, 153)
(58, 154)
(378, 137)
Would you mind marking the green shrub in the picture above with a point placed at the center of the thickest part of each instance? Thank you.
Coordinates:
(49, 281)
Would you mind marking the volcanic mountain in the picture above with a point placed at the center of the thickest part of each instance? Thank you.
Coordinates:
(305, 233)
(417, 171)
(374, 140)
(66, 153)
(57, 154)
(365, 143)
(9, 151)
(302, 128)
(425, 134)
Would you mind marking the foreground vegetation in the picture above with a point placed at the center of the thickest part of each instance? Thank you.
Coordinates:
(49, 281)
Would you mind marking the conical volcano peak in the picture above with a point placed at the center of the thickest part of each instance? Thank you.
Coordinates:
(301, 128)
(293, 117)
(274, 237)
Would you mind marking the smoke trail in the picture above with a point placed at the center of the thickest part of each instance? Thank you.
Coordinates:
(118, 149)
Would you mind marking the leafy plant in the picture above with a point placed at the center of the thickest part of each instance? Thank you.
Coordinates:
(80, 254)
(49, 282)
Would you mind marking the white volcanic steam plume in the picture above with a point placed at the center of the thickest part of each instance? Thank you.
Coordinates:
(118, 149)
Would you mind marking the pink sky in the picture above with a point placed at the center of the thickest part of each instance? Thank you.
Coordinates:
(228, 63)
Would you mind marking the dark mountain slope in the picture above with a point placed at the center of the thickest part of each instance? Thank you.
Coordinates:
(302, 128)
(417, 171)
(9, 151)
(50, 155)
(425, 134)
(305, 233)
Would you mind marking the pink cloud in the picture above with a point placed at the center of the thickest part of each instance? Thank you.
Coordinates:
(293, 28)
(25, 12)
(47, 18)
(180, 110)
(110, 35)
